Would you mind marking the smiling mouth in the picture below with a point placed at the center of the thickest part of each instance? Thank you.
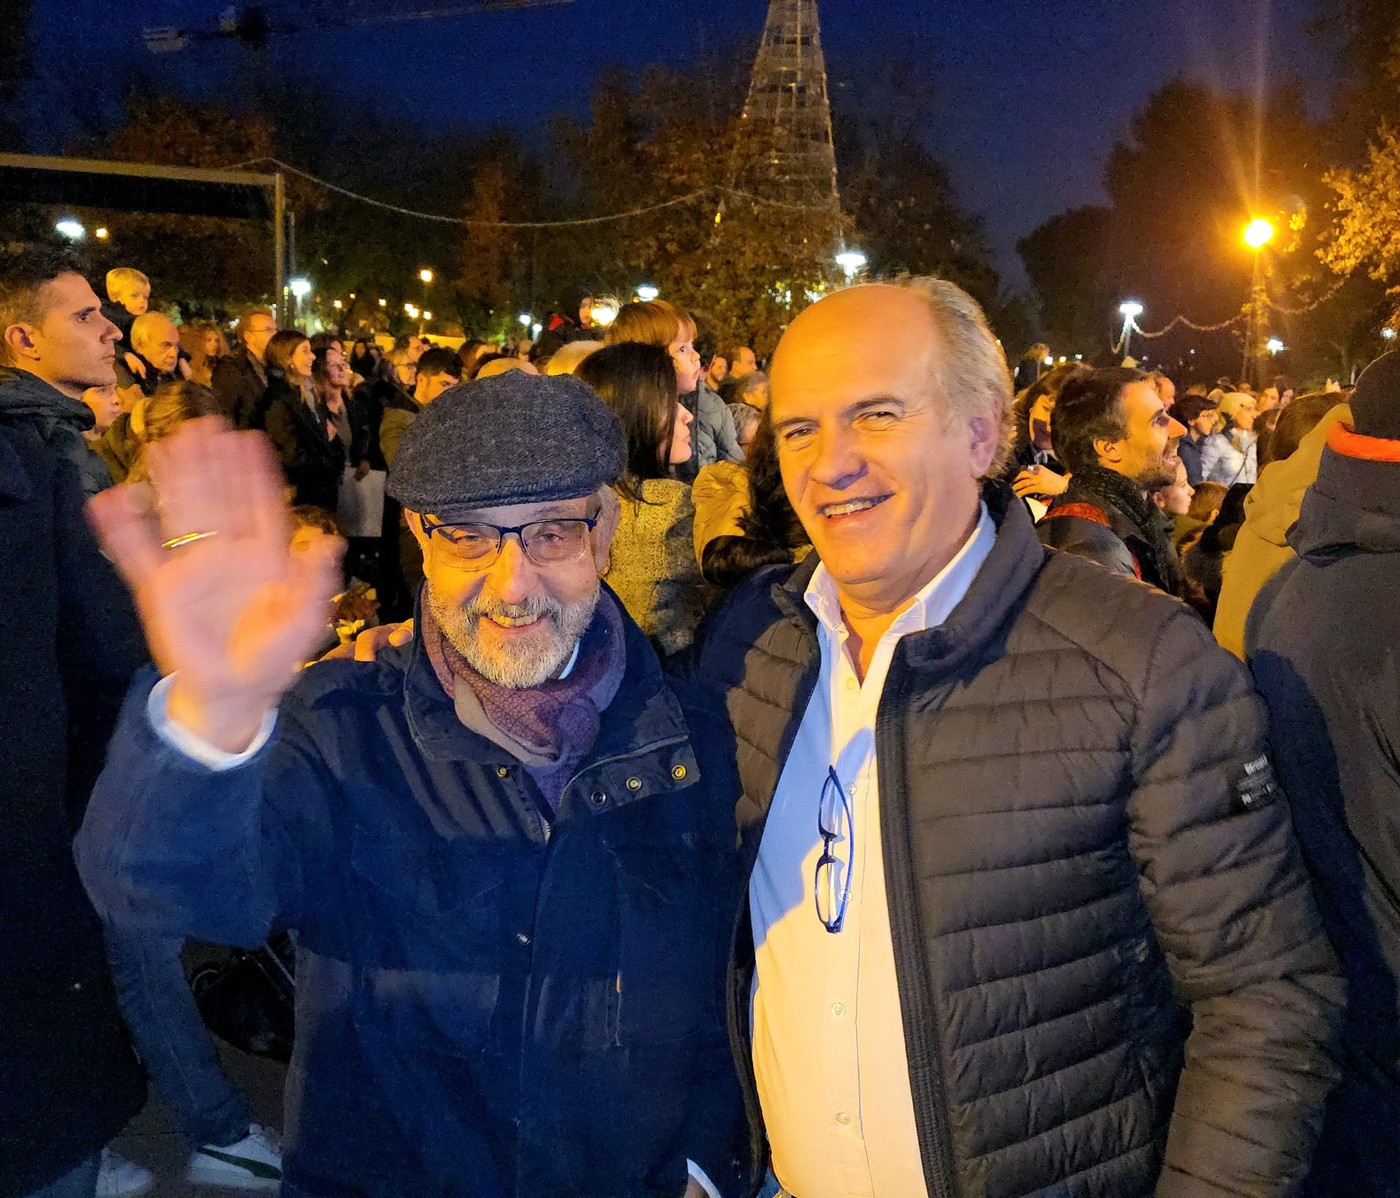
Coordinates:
(850, 507)
(515, 621)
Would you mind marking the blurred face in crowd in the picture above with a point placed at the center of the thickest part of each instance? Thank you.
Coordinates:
(1147, 451)
(719, 370)
(1039, 421)
(417, 347)
(681, 448)
(337, 372)
(884, 482)
(211, 344)
(303, 358)
(72, 345)
(1245, 415)
(135, 298)
(514, 621)
(744, 362)
(256, 332)
(1166, 389)
(1204, 424)
(1268, 399)
(406, 372)
(1175, 500)
(687, 362)
(156, 339)
(430, 386)
(104, 404)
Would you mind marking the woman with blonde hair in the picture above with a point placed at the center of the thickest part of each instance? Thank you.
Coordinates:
(202, 342)
(662, 323)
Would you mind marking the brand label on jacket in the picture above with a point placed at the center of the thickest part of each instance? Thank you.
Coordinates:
(1258, 787)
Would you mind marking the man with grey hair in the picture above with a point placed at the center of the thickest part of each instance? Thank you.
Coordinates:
(505, 848)
(1024, 913)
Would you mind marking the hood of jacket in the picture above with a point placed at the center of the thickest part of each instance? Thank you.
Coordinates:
(1354, 506)
(25, 396)
(1272, 507)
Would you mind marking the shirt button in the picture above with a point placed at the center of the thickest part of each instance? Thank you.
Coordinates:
(842, 1118)
(838, 1009)
(852, 684)
(522, 937)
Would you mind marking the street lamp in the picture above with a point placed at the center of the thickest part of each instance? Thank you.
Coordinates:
(300, 289)
(851, 262)
(1257, 234)
(1274, 346)
(101, 233)
(1129, 310)
(525, 318)
(71, 227)
(426, 275)
(646, 293)
(604, 312)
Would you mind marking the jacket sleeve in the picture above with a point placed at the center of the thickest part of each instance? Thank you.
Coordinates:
(172, 847)
(721, 423)
(1212, 450)
(1085, 538)
(391, 430)
(1233, 911)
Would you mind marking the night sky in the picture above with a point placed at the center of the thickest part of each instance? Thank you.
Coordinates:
(1032, 93)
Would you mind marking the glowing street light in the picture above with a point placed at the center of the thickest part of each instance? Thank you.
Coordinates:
(525, 318)
(427, 316)
(101, 233)
(300, 287)
(383, 303)
(646, 293)
(1274, 346)
(851, 262)
(410, 310)
(71, 227)
(1258, 233)
(337, 305)
(604, 312)
(426, 275)
(1129, 310)
(1388, 333)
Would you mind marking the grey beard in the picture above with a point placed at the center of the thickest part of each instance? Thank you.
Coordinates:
(527, 665)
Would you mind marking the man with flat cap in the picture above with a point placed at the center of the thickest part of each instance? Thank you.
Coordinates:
(505, 849)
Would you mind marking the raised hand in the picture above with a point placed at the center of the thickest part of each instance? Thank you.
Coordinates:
(226, 606)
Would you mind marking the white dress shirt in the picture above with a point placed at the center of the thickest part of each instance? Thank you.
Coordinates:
(828, 1039)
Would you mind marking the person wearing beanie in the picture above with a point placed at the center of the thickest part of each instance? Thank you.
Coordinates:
(1229, 456)
(1325, 650)
(505, 848)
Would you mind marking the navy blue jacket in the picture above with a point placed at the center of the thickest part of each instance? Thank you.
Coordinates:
(487, 1004)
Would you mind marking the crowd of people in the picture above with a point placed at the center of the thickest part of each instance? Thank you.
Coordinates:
(883, 773)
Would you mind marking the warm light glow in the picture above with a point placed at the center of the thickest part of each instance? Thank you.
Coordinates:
(300, 287)
(426, 275)
(1388, 333)
(1274, 345)
(604, 312)
(383, 303)
(410, 310)
(337, 305)
(101, 234)
(427, 316)
(71, 227)
(851, 261)
(1258, 233)
(1130, 308)
(525, 319)
(646, 293)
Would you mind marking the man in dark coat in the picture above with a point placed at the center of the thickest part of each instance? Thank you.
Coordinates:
(1115, 436)
(69, 644)
(240, 379)
(1024, 910)
(1325, 650)
(506, 850)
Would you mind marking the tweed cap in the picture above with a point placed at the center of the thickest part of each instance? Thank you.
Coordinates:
(1375, 404)
(515, 438)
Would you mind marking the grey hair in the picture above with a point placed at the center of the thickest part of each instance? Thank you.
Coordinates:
(971, 375)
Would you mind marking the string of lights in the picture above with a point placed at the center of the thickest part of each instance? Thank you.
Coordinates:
(1317, 303)
(706, 193)
(1189, 323)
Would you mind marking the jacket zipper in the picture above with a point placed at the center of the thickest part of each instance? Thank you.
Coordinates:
(923, 1028)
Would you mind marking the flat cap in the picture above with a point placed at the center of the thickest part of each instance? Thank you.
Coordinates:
(515, 438)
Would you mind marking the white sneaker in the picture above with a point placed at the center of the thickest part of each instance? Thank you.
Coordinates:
(254, 1163)
(121, 1178)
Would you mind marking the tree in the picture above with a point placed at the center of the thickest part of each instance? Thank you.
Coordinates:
(1366, 232)
(1066, 259)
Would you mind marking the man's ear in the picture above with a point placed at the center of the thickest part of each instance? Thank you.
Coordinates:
(983, 444)
(609, 512)
(20, 344)
(1108, 451)
(415, 526)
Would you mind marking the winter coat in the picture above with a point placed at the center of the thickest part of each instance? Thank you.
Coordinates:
(1113, 977)
(1325, 650)
(313, 462)
(239, 388)
(118, 448)
(1230, 457)
(69, 644)
(712, 433)
(653, 567)
(490, 1002)
(1261, 545)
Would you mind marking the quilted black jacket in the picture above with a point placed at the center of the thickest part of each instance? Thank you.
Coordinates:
(1111, 969)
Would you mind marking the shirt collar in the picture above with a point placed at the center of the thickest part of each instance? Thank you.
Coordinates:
(933, 603)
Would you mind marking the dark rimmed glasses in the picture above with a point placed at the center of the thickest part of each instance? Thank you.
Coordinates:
(831, 883)
(475, 546)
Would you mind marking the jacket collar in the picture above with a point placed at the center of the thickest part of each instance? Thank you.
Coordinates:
(1013, 563)
(1354, 506)
(27, 396)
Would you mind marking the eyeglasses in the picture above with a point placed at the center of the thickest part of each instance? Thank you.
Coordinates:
(545, 542)
(832, 893)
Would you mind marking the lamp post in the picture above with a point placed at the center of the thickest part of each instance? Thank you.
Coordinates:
(300, 289)
(1129, 310)
(1257, 234)
(851, 262)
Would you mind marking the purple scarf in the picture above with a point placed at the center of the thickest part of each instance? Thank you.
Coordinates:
(550, 727)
